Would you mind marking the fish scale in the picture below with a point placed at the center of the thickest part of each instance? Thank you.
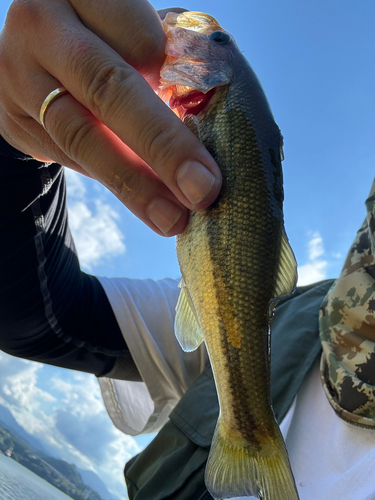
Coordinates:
(234, 257)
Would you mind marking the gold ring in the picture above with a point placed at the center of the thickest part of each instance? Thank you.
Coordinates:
(48, 100)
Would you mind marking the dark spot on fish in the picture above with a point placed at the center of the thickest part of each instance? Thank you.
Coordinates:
(245, 422)
(371, 306)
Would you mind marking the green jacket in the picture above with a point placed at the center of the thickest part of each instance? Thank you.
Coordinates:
(172, 466)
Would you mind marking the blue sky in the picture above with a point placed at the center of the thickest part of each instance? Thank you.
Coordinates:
(316, 63)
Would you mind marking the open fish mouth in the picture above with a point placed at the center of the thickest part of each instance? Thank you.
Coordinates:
(198, 55)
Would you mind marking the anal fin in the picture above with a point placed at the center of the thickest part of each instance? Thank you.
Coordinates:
(188, 330)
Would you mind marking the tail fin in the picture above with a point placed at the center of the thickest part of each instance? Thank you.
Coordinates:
(243, 471)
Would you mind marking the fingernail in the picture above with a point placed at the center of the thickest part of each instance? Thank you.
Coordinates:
(194, 180)
(164, 214)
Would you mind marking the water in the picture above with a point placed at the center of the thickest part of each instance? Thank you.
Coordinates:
(18, 483)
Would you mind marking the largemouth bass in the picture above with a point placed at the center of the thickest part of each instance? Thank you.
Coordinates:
(235, 258)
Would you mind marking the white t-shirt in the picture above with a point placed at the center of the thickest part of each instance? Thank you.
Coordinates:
(145, 311)
(331, 459)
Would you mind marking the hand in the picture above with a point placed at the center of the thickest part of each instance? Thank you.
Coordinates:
(111, 125)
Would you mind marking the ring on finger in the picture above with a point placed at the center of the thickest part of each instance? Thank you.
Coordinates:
(48, 100)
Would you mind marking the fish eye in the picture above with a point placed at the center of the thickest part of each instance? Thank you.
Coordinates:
(220, 37)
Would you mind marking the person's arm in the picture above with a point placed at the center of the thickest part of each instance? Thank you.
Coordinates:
(50, 311)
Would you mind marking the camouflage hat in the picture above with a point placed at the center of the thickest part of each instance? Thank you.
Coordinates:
(347, 330)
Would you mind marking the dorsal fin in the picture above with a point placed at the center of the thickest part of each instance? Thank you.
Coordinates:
(286, 277)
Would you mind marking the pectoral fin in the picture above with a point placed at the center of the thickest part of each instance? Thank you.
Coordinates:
(188, 330)
(286, 278)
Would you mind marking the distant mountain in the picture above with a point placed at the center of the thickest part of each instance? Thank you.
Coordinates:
(8, 421)
(92, 480)
(88, 477)
(59, 473)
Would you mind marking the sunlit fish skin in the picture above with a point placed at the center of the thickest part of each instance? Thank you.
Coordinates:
(235, 258)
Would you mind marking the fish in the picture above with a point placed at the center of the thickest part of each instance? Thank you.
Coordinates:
(235, 258)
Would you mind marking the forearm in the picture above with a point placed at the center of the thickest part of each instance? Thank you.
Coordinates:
(50, 311)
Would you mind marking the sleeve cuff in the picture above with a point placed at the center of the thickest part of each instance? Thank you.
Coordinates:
(8, 151)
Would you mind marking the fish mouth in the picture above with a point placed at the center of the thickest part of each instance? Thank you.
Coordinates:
(187, 100)
(189, 77)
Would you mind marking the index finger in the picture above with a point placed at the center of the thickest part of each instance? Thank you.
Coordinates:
(119, 97)
(131, 28)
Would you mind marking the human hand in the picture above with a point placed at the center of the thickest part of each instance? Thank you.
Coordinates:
(111, 125)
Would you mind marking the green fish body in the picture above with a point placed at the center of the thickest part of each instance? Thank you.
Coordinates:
(234, 257)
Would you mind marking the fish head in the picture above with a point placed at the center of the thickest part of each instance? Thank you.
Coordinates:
(200, 62)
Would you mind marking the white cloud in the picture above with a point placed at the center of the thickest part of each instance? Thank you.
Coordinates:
(72, 421)
(309, 273)
(82, 421)
(21, 395)
(337, 255)
(316, 267)
(94, 226)
(315, 246)
(82, 398)
(96, 234)
(75, 185)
